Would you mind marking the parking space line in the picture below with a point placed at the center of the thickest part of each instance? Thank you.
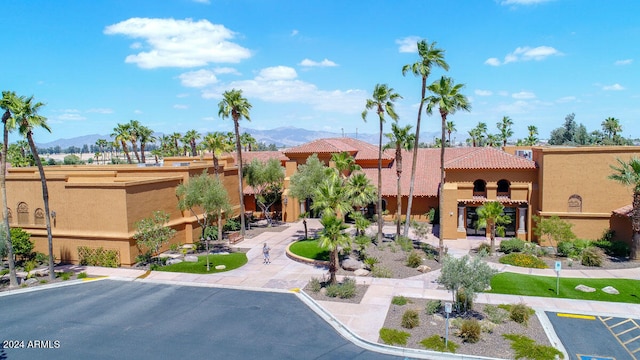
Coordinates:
(577, 316)
(626, 331)
(620, 323)
(617, 335)
(634, 339)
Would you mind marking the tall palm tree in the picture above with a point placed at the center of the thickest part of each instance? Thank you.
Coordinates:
(218, 143)
(121, 134)
(493, 140)
(102, 144)
(481, 133)
(190, 138)
(532, 139)
(451, 127)
(448, 98)
(145, 135)
(382, 101)
(176, 137)
(430, 56)
(400, 139)
(248, 141)
(332, 238)
(473, 135)
(28, 118)
(628, 174)
(344, 163)
(236, 106)
(9, 104)
(491, 216)
(360, 191)
(611, 127)
(134, 135)
(331, 197)
(504, 126)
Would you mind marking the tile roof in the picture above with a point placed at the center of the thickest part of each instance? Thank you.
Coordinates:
(362, 150)
(626, 211)
(485, 158)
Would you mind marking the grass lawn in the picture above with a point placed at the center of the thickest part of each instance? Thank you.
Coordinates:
(231, 261)
(310, 250)
(545, 286)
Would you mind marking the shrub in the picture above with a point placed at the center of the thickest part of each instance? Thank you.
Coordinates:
(232, 225)
(429, 250)
(315, 285)
(433, 306)
(511, 245)
(592, 256)
(405, 243)
(41, 258)
(437, 343)
(370, 262)
(470, 330)
(613, 248)
(174, 247)
(495, 314)
(484, 247)
(82, 275)
(414, 259)
(344, 290)
(533, 249)
(487, 326)
(463, 302)
(394, 337)
(520, 313)
(523, 260)
(399, 300)
(381, 272)
(29, 266)
(65, 275)
(21, 242)
(410, 319)
(526, 348)
(566, 248)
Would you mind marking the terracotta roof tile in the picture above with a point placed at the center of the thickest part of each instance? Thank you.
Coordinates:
(486, 158)
(626, 210)
(362, 150)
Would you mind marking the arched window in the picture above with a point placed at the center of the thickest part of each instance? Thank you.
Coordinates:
(480, 188)
(504, 188)
(39, 216)
(23, 213)
(575, 203)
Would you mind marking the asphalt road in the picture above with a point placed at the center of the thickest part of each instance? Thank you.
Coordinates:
(129, 320)
(594, 337)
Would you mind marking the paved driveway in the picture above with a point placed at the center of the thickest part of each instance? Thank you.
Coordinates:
(129, 320)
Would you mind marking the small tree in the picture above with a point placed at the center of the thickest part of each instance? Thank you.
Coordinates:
(332, 238)
(554, 229)
(469, 275)
(152, 233)
(304, 183)
(267, 181)
(21, 241)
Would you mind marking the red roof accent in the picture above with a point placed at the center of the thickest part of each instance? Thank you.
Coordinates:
(485, 158)
(626, 210)
(361, 150)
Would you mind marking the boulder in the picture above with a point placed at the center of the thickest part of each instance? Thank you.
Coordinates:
(221, 267)
(361, 272)
(187, 246)
(611, 290)
(423, 268)
(31, 281)
(191, 258)
(585, 288)
(351, 264)
(173, 261)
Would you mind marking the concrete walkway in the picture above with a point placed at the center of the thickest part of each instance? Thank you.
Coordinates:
(366, 318)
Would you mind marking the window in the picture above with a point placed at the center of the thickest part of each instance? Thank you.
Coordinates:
(504, 187)
(480, 188)
(575, 203)
(23, 214)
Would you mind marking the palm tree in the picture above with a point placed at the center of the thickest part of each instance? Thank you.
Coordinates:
(102, 144)
(473, 135)
(493, 140)
(26, 119)
(134, 135)
(218, 143)
(532, 139)
(628, 174)
(382, 101)
(331, 197)
(175, 146)
(247, 141)
(333, 238)
(359, 190)
(451, 127)
(504, 127)
(9, 103)
(121, 134)
(481, 132)
(190, 138)
(145, 135)
(430, 56)
(234, 105)
(447, 96)
(344, 163)
(400, 139)
(611, 127)
(491, 216)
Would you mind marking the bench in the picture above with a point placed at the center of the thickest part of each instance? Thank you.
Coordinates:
(235, 237)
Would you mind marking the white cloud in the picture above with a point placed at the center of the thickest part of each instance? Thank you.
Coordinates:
(525, 53)
(179, 43)
(225, 70)
(623, 62)
(408, 44)
(180, 106)
(101, 111)
(567, 99)
(136, 45)
(614, 87)
(202, 1)
(522, 95)
(137, 112)
(323, 63)
(522, 2)
(294, 32)
(280, 84)
(70, 116)
(483, 92)
(198, 79)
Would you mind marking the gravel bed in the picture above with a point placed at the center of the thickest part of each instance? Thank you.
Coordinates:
(490, 344)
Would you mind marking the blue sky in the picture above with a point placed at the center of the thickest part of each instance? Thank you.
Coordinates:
(312, 64)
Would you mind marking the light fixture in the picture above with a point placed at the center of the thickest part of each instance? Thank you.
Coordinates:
(53, 214)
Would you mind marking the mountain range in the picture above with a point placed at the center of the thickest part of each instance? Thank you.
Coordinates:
(282, 137)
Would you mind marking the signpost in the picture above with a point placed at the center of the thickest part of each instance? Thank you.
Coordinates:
(558, 268)
(447, 309)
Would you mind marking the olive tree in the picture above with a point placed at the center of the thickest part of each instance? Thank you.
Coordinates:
(151, 233)
(267, 180)
(465, 276)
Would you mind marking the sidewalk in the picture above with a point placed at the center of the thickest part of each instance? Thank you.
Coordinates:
(366, 318)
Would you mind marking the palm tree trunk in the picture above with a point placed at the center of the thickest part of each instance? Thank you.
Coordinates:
(236, 125)
(380, 220)
(194, 151)
(399, 201)
(45, 198)
(125, 149)
(414, 160)
(333, 266)
(13, 280)
(142, 147)
(440, 190)
(635, 226)
(135, 150)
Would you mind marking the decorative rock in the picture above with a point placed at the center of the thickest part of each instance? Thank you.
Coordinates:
(220, 267)
(31, 281)
(423, 268)
(611, 290)
(361, 272)
(187, 246)
(173, 261)
(351, 264)
(585, 288)
(191, 258)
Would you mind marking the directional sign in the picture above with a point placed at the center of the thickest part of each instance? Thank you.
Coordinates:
(558, 266)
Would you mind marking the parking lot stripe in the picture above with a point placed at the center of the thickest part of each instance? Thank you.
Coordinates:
(634, 339)
(620, 323)
(577, 316)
